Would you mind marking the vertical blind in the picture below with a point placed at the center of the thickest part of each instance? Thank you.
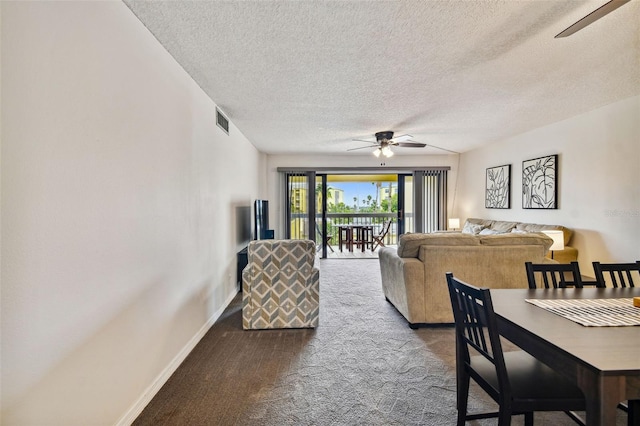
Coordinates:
(300, 202)
(434, 200)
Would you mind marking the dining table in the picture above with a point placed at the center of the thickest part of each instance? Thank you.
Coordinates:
(604, 361)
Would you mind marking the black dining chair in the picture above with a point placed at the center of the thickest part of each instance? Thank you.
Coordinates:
(558, 275)
(618, 274)
(519, 383)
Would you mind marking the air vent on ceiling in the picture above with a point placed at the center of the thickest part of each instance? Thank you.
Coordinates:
(222, 121)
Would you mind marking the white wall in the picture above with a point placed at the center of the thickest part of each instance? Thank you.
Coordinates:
(276, 186)
(119, 198)
(598, 178)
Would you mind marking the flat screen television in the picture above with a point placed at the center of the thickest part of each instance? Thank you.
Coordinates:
(261, 221)
(243, 225)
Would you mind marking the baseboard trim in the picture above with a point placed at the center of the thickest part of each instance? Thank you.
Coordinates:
(134, 411)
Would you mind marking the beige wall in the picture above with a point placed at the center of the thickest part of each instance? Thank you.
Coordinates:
(598, 177)
(118, 213)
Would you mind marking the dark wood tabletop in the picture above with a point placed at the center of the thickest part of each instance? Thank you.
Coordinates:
(603, 361)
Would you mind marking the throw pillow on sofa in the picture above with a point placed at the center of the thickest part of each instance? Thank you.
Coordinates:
(472, 228)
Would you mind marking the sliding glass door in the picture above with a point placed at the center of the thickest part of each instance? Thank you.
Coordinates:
(406, 214)
(318, 204)
(300, 205)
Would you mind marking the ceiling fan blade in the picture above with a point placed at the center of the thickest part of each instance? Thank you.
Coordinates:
(443, 149)
(592, 17)
(365, 147)
(402, 138)
(410, 144)
(364, 140)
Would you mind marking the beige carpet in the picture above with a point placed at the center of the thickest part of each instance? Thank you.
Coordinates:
(362, 366)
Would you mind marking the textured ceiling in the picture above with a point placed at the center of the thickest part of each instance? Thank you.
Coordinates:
(309, 76)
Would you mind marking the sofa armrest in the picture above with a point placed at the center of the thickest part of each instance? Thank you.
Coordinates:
(568, 255)
(402, 281)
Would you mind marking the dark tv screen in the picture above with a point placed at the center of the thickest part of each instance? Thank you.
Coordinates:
(261, 219)
(243, 224)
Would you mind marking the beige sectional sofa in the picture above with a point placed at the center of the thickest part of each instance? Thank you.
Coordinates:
(413, 275)
(568, 255)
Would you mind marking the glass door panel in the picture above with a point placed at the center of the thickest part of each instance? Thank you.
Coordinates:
(406, 215)
(298, 206)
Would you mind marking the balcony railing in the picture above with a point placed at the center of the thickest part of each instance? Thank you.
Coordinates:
(335, 220)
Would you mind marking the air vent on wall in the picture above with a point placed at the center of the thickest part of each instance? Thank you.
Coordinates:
(222, 121)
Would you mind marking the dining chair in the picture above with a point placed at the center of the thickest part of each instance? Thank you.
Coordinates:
(378, 239)
(323, 239)
(618, 274)
(518, 382)
(554, 274)
(345, 237)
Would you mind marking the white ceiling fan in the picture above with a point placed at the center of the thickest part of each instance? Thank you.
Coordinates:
(592, 17)
(385, 140)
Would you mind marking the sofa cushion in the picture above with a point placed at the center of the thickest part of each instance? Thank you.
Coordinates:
(534, 227)
(409, 244)
(513, 239)
(485, 223)
(502, 226)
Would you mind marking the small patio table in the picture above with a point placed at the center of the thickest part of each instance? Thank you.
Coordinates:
(355, 235)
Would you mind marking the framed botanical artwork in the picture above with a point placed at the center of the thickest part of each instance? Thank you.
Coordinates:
(498, 187)
(539, 183)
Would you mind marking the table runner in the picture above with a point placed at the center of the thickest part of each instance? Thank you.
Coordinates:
(593, 312)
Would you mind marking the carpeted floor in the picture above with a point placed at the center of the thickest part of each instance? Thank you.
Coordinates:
(362, 366)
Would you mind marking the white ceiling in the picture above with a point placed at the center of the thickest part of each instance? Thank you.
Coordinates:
(309, 76)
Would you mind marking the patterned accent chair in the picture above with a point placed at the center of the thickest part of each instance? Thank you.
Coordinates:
(280, 285)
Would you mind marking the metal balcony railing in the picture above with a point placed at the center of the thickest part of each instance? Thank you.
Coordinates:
(335, 220)
(377, 220)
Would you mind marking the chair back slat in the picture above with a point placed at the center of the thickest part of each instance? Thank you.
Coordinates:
(476, 325)
(553, 275)
(630, 279)
(619, 274)
(475, 329)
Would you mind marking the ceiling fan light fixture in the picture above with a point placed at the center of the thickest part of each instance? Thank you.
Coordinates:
(385, 140)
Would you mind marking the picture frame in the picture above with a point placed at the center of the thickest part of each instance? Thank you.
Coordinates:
(498, 187)
(540, 183)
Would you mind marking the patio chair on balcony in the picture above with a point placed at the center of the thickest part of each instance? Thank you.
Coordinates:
(326, 239)
(378, 239)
